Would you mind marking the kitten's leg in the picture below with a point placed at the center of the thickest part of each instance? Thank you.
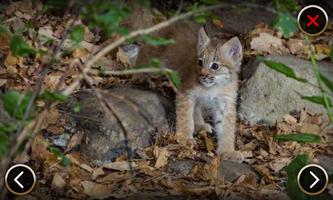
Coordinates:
(226, 134)
(184, 118)
(199, 121)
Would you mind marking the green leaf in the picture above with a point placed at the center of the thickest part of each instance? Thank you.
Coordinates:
(174, 77)
(292, 170)
(157, 41)
(285, 23)
(19, 47)
(61, 156)
(53, 96)
(153, 63)
(326, 81)
(331, 53)
(200, 19)
(317, 100)
(299, 137)
(16, 104)
(77, 34)
(282, 68)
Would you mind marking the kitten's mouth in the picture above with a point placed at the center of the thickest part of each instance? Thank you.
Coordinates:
(207, 81)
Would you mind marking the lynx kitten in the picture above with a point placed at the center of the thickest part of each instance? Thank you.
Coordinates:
(208, 68)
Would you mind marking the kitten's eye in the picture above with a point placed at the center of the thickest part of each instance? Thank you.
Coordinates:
(200, 63)
(215, 66)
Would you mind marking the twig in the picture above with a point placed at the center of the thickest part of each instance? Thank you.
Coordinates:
(132, 71)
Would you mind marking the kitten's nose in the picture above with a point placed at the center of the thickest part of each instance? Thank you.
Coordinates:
(205, 72)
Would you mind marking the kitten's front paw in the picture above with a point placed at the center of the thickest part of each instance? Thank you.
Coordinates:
(206, 128)
(184, 140)
(235, 156)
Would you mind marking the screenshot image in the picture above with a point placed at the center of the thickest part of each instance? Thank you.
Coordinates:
(174, 99)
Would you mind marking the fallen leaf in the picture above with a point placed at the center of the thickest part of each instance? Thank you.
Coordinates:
(279, 163)
(58, 182)
(289, 119)
(161, 155)
(97, 172)
(75, 160)
(120, 165)
(267, 43)
(96, 191)
(74, 141)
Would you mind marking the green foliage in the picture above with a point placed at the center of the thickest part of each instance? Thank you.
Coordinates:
(331, 53)
(16, 104)
(292, 170)
(281, 68)
(19, 47)
(106, 16)
(157, 41)
(317, 100)
(299, 137)
(77, 34)
(61, 156)
(174, 77)
(326, 81)
(285, 23)
(153, 63)
(47, 95)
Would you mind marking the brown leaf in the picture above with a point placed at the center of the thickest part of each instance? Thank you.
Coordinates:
(39, 147)
(120, 165)
(75, 159)
(96, 191)
(58, 182)
(74, 141)
(264, 171)
(279, 163)
(289, 119)
(97, 172)
(218, 23)
(161, 155)
(267, 43)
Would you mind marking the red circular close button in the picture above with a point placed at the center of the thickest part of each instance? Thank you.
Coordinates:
(312, 20)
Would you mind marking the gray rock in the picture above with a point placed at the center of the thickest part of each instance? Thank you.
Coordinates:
(232, 170)
(181, 167)
(268, 95)
(142, 114)
(326, 162)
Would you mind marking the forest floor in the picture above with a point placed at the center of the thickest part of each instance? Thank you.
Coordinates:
(164, 168)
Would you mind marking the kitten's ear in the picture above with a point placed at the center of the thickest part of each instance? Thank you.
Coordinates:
(203, 39)
(233, 50)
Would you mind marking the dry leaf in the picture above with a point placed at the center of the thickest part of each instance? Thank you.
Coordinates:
(289, 119)
(267, 43)
(161, 155)
(97, 172)
(279, 163)
(76, 160)
(120, 165)
(74, 141)
(58, 182)
(96, 191)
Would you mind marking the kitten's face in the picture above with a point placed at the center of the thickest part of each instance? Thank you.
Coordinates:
(217, 59)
